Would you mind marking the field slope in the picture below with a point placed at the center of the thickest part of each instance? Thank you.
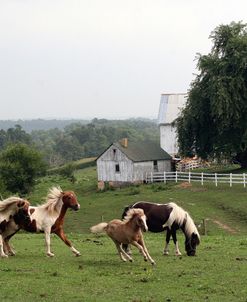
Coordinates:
(218, 273)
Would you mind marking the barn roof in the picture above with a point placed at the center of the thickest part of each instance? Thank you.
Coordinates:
(143, 151)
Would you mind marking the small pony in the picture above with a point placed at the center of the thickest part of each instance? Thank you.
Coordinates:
(128, 231)
(49, 217)
(13, 210)
(169, 217)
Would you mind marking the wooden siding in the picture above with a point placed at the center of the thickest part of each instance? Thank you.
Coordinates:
(106, 166)
(129, 171)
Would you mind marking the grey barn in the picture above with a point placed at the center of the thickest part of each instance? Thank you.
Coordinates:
(127, 162)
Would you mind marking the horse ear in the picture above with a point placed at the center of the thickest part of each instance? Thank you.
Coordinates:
(21, 203)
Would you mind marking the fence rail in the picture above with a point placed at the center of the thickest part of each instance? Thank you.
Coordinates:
(201, 177)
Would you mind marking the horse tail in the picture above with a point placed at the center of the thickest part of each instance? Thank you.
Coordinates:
(99, 228)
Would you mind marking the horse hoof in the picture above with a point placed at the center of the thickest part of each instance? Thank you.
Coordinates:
(4, 256)
(78, 254)
(50, 255)
(153, 263)
(166, 253)
(178, 254)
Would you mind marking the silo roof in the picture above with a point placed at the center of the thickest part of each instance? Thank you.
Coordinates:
(170, 107)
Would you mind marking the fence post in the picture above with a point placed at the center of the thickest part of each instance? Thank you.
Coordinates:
(189, 176)
(202, 179)
(244, 180)
(152, 180)
(176, 179)
(230, 179)
(204, 223)
(164, 177)
(216, 184)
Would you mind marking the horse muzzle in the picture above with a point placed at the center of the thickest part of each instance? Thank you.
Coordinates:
(75, 207)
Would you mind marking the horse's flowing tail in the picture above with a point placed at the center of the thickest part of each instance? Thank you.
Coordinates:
(99, 228)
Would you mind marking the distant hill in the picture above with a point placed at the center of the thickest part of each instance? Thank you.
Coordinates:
(40, 124)
(47, 124)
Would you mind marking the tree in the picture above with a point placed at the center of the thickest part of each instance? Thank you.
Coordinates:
(19, 166)
(214, 121)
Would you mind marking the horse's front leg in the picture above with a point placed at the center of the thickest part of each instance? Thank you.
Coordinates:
(2, 254)
(60, 233)
(48, 243)
(168, 236)
(174, 237)
(143, 250)
(142, 243)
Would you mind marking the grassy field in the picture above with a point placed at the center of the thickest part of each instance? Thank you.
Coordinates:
(218, 273)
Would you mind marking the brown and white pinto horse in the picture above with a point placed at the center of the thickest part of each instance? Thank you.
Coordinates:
(128, 231)
(12, 210)
(169, 217)
(49, 217)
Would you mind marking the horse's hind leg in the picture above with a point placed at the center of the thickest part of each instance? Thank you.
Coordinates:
(122, 253)
(168, 236)
(126, 248)
(7, 248)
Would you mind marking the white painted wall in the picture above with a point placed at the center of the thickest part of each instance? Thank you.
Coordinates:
(170, 108)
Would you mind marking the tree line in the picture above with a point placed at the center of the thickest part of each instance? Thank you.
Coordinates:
(25, 156)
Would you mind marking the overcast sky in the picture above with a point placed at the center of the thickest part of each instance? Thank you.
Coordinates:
(102, 58)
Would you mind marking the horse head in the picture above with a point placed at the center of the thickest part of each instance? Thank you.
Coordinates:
(126, 209)
(140, 218)
(191, 243)
(22, 216)
(70, 200)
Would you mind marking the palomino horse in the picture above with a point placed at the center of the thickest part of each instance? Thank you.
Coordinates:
(128, 231)
(49, 217)
(169, 217)
(12, 209)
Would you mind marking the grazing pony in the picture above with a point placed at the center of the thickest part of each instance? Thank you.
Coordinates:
(12, 209)
(49, 217)
(128, 231)
(169, 217)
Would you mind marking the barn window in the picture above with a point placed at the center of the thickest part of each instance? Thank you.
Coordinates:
(114, 151)
(117, 168)
(155, 165)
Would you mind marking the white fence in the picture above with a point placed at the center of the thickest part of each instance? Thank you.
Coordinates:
(197, 177)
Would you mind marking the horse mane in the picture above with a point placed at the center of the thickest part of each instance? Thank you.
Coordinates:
(181, 217)
(53, 199)
(131, 212)
(4, 204)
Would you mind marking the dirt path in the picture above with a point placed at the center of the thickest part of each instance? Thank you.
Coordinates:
(225, 227)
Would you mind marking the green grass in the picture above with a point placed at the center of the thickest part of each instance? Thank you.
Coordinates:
(218, 273)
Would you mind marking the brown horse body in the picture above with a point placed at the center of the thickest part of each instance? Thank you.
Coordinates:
(128, 231)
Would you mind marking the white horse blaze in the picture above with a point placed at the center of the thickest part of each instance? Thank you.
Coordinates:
(143, 218)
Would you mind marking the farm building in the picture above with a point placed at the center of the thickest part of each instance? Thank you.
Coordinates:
(170, 107)
(127, 162)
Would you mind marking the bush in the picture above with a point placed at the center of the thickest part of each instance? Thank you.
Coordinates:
(19, 166)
